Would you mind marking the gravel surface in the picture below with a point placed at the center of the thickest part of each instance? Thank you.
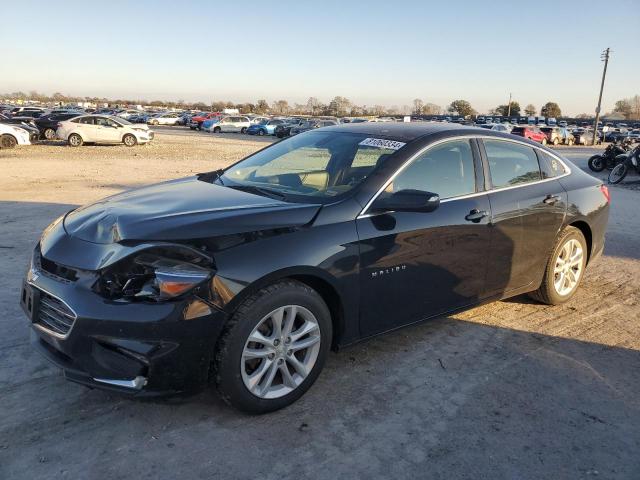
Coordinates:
(513, 389)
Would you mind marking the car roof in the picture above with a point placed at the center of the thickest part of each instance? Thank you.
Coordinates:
(401, 130)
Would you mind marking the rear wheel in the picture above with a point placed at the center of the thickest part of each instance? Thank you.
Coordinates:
(8, 141)
(544, 141)
(556, 141)
(49, 133)
(565, 268)
(129, 140)
(75, 140)
(261, 132)
(570, 142)
(618, 173)
(243, 130)
(273, 348)
(216, 130)
(596, 163)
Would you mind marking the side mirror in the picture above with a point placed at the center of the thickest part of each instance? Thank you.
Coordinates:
(407, 201)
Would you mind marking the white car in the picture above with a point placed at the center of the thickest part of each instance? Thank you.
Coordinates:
(167, 118)
(230, 124)
(12, 135)
(102, 129)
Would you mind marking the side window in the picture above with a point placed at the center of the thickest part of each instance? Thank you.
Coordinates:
(103, 122)
(87, 120)
(550, 166)
(511, 163)
(446, 169)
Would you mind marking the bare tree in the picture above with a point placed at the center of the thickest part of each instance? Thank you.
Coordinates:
(418, 105)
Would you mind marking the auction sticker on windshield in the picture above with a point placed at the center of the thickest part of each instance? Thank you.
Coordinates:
(382, 143)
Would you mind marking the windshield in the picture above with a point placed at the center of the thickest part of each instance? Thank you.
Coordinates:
(311, 167)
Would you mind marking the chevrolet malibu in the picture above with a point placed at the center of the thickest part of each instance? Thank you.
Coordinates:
(246, 278)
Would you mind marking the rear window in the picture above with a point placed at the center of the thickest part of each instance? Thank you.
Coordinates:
(518, 130)
(550, 166)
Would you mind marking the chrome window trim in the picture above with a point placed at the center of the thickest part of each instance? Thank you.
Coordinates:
(363, 213)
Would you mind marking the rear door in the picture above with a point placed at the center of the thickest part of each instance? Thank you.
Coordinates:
(87, 129)
(414, 264)
(528, 206)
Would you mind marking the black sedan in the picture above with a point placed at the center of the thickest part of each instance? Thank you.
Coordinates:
(48, 124)
(247, 277)
(27, 125)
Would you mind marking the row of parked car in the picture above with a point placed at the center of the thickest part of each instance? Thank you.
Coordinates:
(24, 126)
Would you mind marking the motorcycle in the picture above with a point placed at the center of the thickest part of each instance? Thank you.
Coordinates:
(625, 162)
(598, 163)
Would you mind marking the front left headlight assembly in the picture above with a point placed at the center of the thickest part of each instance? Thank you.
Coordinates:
(153, 277)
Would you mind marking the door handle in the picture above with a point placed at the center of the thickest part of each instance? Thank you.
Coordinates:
(551, 199)
(476, 215)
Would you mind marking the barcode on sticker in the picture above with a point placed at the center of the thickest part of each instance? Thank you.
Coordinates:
(382, 143)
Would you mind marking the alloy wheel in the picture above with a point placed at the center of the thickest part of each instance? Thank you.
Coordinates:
(568, 267)
(280, 352)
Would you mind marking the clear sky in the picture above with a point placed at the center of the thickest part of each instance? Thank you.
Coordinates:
(372, 52)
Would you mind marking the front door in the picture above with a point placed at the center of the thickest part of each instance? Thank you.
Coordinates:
(107, 130)
(415, 265)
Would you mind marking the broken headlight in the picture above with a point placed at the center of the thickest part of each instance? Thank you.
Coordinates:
(149, 276)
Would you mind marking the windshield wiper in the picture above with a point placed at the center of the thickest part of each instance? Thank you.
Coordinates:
(265, 192)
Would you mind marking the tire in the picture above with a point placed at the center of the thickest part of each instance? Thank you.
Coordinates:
(154, 122)
(75, 140)
(130, 140)
(570, 142)
(544, 141)
(548, 292)
(261, 133)
(618, 173)
(8, 141)
(556, 141)
(231, 364)
(49, 133)
(243, 130)
(596, 163)
(216, 130)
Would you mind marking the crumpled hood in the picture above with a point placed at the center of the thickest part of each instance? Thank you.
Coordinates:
(182, 209)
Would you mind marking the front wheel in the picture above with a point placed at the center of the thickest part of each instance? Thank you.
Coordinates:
(49, 133)
(556, 141)
(216, 130)
(129, 140)
(75, 140)
(261, 132)
(596, 163)
(618, 173)
(8, 141)
(544, 141)
(565, 268)
(273, 348)
(243, 130)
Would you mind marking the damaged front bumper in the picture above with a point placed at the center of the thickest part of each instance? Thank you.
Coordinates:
(142, 348)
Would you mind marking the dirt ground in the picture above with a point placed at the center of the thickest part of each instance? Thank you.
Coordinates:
(513, 389)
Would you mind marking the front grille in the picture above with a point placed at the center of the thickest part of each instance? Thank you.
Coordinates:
(54, 315)
(54, 270)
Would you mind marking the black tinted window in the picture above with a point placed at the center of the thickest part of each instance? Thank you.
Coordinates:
(511, 163)
(550, 166)
(446, 169)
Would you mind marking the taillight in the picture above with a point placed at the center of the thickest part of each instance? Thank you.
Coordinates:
(605, 192)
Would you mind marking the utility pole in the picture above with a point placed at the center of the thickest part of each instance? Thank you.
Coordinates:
(509, 108)
(604, 56)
